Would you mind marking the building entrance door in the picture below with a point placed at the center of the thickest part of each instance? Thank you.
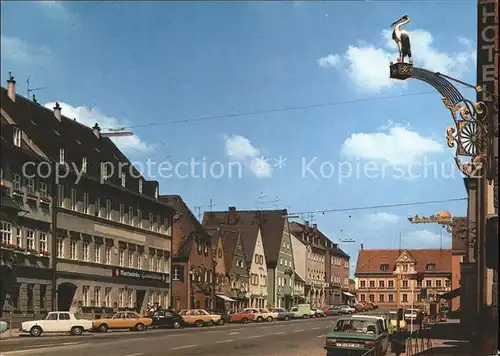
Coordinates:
(140, 295)
(65, 293)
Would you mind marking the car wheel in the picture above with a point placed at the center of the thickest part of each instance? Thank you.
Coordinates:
(103, 328)
(210, 323)
(139, 327)
(286, 318)
(244, 320)
(221, 322)
(270, 318)
(76, 330)
(260, 319)
(176, 325)
(36, 331)
(199, 323)
(306, 316)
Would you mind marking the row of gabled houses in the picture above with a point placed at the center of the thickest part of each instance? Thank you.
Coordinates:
(82, 230)
(253, 258)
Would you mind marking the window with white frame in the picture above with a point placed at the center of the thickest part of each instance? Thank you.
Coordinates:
(130, 216)
(97, 296)
(130, 259)
(60, 248)
(121, 257)
(139, 218)
(139, 260)
(165, 265)
(19, 237)
(140, 185)
(150, 221)
(60, 196)
(158, 219)
(61, 155)
(85, 203)
(97, 252)
(107, 297)
(85, 296)
(73, 199)
(17, 137)
(108, 209)
(6, 232)
(30, 239)
(73, 253)
(121, 298)
(122, 213)
(104, 171)
(97, 208)
(16, 182)
(30, 185)
(107, 252)
(84, 164)
(44, 191)
(86, 249)
(42, 242)
(156, 192)
(159, 262)
(124, 179)
(152, 262)
(130, 298)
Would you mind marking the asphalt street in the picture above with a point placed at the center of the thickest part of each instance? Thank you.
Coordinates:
(292, 338)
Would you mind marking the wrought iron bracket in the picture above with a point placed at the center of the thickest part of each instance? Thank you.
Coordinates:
(469, 133)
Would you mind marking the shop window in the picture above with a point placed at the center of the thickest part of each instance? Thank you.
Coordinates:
(43, 291)
(29, 292)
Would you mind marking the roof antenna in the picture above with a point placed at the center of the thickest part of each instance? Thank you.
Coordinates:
(198, 208)
(29, 90)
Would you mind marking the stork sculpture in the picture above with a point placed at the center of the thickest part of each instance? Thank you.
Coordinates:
(402, 39)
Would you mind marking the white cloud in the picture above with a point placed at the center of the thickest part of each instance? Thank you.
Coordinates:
(425, 239)
(382, 219)
(240, 149)
(57, 10)
(15, 49)
(330, 61)
(398, 146)
(90, 116)
(368, 66)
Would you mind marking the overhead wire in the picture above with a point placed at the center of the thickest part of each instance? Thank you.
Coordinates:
(370, 207)
(270, 111)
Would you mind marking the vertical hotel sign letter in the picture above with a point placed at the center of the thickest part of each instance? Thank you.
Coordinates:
(487, 75)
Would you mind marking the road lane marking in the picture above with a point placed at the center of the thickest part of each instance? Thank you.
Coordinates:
(321, 336)
(298, 330)
(314, 328)
(241, 329)
(255, 336)
(281, 333)
(210, 332)
(178, 334)
(183, 347)
(233, 333)
(224, 341)
(140, 353)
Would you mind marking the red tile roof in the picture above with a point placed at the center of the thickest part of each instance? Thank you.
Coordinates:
(369, 260)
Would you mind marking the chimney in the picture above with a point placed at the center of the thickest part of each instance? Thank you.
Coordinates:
(361, 246)
(11, 87)
(57, 112)
(306, 223)
(97, 130)
(34, 99)
(315, 228)
(231, 216)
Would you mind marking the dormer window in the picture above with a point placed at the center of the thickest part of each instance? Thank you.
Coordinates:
(61, 155)
(156, 192)
(140, 185)
(84, 164)
(124, 178)
(431, 267)
(384, 267)
(17, 137)
(104, 172)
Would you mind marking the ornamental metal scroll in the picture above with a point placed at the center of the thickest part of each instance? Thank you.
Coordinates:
(469, 132)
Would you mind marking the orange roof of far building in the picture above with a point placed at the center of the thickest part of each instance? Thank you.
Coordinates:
(370, 260)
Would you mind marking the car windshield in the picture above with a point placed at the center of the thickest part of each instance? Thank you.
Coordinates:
(355, 326)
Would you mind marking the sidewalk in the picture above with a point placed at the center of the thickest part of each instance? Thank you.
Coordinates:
(9, 334)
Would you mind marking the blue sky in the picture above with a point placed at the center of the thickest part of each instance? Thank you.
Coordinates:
(131, 63)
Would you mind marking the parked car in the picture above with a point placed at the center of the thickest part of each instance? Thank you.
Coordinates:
(123, 320)
(302, 311)
(242, 316)
(198, 317)
(56, 322)
(356, 336)
(332, 311)
(346, 309)
(167, 318)
(359, 307)
(319, 313)
(224, 316)
(283, 314)
(393, 318)
(410, 314)
(268, 315)
(260, 316)
(372, 305)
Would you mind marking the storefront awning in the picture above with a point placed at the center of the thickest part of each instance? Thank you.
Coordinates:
(452, 294)
(348, 294)
(226, 298)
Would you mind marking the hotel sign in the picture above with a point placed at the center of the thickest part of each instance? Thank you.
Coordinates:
(487, 71)
(142, 275)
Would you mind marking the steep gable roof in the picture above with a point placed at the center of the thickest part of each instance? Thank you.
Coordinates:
(370, 260)
(191, 225)
(271, 223)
